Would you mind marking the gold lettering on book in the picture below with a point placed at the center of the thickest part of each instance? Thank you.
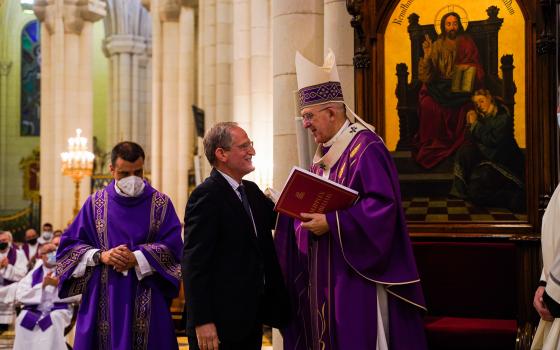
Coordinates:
(300, 195)
(320, 203)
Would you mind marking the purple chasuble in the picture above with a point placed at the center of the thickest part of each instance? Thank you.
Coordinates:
(117, 311)
(332, 279)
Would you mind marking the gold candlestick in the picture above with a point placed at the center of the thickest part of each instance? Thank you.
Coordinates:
(77, 163)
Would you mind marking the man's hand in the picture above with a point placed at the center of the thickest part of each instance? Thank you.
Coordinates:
(539, 305)
(4, 262)
(131, 260)
(316, 223)
(117, 257)
(472, 117)
(427, 46)
(207, 336)
(50, 280)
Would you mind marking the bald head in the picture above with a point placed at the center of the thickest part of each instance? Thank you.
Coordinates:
(30, 234)
(47, 248)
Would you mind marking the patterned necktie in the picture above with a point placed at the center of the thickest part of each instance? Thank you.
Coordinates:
(246, 206)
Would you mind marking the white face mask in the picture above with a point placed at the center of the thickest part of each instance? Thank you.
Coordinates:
(131, 186)
(47, 235)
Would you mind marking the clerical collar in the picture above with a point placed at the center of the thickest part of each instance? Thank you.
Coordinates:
(330, 142)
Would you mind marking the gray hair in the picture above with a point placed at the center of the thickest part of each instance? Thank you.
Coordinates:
(9, 234)
(218, 137)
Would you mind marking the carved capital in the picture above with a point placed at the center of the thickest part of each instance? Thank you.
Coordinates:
(45, 12)
(169, 10)
(72, 12)
(546, 45)
(124, 43)
(361, 60)
(5, 68)
(190, 3)
(147, 4)
(75, 12)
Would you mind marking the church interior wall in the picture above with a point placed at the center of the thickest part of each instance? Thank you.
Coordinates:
(100, 87)
(14, 147)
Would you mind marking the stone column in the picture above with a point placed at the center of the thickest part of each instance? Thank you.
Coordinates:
(125, 52)
(66, 95)
(5, 67)
(261, 90)
(296, 25)
(224, 26)
(127, 33)
(173, 134)
(339, 36)
(242, 64)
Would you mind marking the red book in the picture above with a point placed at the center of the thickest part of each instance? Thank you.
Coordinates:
(306, 192)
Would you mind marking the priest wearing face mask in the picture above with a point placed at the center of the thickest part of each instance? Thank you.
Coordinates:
(31, 245)
(47, 234)
(44, 316)
(13, 267)
(122, 253)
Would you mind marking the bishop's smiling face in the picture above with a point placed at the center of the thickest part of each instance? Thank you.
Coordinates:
(319, 121)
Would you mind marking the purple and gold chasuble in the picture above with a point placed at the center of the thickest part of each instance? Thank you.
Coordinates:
(118, 311)
(333, 279)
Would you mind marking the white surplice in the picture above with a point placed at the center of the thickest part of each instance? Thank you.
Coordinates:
(547, 335)
(14, 273)
(51, 338)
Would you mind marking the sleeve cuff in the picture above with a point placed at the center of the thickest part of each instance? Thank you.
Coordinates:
(143, 268)
(85, 261)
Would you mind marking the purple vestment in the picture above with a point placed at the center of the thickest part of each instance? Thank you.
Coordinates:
(332, 279)
(117, 311)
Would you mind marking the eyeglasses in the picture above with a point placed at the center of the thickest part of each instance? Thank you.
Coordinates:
(308, 117)
(243, 147)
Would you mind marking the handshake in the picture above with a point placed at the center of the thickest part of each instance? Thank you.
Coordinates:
(120, 257)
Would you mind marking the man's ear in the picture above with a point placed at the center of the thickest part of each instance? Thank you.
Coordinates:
(220, 154)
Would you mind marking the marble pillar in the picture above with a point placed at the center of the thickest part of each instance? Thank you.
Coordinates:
(173, 85)
(66, 96)
(339, 36)
(5, 67)
(297, 26)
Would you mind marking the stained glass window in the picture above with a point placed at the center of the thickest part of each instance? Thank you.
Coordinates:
(30, 79)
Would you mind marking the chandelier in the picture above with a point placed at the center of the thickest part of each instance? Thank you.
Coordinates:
(77, 163)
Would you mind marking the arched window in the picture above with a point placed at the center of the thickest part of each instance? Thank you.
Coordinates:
(30, 79)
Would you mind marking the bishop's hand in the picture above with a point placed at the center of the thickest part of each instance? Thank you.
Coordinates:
(316, 223)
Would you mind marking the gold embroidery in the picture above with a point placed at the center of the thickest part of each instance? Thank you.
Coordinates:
(322, 343)
(100, 204)
(142, 312)
(165, 259)
(355, 150)
(341, 170)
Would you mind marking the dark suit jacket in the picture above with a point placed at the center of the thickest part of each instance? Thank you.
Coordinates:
(231, 277)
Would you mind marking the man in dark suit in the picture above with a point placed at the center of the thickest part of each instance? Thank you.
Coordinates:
(231, 274)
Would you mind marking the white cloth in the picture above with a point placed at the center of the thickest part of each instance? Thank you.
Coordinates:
(33, 249)
(143, 269)
(53, 337)
(42, 241)
(547, 336)
(11, 272)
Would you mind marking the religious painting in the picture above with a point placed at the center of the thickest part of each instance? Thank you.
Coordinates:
(30, 166)
(455, 109)
(30, 80)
